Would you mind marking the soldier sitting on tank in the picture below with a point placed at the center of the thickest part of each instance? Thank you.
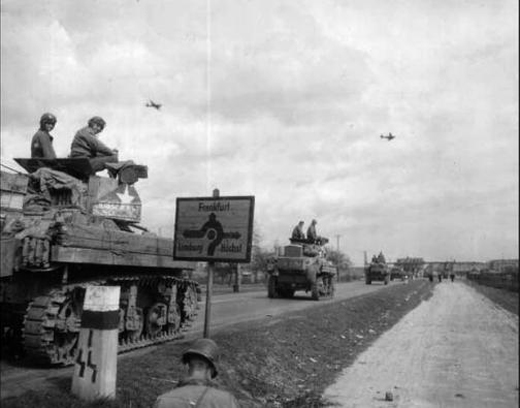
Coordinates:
(312, 235)
(41, 143)
(87, 144)
(297, 233)
(197, 389)
(381, 257)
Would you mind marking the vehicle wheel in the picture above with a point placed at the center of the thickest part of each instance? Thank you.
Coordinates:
(315, 292)
(386, 281)
(271, 287)
(156, 319)
(368, 281)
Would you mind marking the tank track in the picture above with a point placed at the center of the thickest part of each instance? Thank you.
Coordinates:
(52, 322)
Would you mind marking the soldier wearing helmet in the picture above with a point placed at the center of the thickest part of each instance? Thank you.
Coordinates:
(87, 144)
(197, 389)
(41, 143)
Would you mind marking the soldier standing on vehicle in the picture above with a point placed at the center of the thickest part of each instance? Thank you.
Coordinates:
(297, 232)
(87, 144)
(197, 389)
(312, 235)
(41, 143)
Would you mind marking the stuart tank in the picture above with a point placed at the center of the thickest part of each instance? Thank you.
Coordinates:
(64, 228)
(301, 266)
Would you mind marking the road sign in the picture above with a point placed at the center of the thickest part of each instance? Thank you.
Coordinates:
(214, 229)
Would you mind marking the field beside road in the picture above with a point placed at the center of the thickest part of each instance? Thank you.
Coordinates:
(281, 361)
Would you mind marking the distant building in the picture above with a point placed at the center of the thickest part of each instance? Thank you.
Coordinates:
(465, 267)
(503, 265)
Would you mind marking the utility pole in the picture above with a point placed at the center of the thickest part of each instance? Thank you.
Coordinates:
(337, 242)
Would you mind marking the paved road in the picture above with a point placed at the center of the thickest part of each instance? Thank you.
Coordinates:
(458, 349)
(227, 309)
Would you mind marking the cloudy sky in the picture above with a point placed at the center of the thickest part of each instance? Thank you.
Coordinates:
(286, 101)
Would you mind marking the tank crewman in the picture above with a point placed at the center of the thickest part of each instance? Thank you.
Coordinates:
(312, 235)
(197, 389)
(381, 257)
(87, 144)
(297, 232)
(41, 143)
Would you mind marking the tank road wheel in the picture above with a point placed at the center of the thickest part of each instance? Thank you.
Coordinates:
(134, 323)
(174, 318)
(51, 327)
(271, 287)
(189, 304)
(156, 319)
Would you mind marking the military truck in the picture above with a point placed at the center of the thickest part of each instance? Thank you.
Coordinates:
(377, 270)
(64, 228)
(301, 266)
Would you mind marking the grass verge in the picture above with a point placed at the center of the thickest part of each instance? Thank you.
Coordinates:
(279, 362)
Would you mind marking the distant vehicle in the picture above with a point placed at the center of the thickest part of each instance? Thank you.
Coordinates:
(388, 137)
(152, 104)
(303, 266)
(377, 270)
(397, 273)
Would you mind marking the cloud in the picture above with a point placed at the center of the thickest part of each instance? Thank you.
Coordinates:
(286, 101)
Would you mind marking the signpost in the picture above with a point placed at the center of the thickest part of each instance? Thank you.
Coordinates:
(213, 229)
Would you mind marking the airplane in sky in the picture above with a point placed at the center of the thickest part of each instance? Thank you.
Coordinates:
(152, 104)
(389, 137)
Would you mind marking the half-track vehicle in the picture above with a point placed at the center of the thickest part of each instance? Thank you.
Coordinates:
(303, 266)
(64, 228)
(377, 270)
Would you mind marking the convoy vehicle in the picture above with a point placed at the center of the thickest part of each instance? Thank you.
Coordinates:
(64, 228)
(302, 266)
(377, 270)
(397, 273)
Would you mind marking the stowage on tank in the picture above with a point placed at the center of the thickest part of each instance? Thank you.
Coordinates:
(64, 228)
(302, 266)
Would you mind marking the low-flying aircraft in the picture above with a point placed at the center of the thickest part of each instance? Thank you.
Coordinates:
(152, 104)
(389, 137)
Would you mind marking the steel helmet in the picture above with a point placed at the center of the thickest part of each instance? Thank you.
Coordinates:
(47, 118)
(98, 121)
(206, 348)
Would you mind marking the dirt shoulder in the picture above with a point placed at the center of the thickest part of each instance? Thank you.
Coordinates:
(286, 361)
(504, 298)
(456, 350)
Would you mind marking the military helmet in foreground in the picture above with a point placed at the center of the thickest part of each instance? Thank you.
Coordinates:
(206, 348)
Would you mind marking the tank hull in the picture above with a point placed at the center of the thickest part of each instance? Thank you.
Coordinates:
(54, 247)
